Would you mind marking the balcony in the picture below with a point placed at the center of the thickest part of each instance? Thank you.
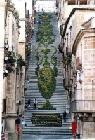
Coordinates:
(83, 106)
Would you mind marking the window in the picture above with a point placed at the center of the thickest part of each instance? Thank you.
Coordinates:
(83, 2)
(4, 105)
(71, 2)
(77, 2)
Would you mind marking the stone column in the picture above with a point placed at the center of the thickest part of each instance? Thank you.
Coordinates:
(11, 102)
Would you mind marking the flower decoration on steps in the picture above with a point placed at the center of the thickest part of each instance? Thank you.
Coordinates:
(46, 81)
(45, 59)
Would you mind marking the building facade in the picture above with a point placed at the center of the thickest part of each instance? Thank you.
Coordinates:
(12, 64)
(2, 31)
(46, 5)
(77, 29)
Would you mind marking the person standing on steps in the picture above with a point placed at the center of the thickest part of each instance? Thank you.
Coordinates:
(64, 116)
(35, 103)
(29, 102)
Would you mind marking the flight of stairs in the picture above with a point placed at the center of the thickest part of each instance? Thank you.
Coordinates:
(58, 100)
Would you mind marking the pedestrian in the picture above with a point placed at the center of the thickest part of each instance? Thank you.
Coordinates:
(25, 106)
(64, 116)
(35, 103)
(74, 128)
(29, 102)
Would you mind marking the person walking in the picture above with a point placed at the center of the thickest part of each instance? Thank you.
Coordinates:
(35, 103)
(74, 128)
(64, 116)
(29, 103)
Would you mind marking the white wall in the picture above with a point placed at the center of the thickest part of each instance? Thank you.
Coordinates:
(46, 5)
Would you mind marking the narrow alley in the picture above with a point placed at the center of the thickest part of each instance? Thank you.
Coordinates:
(47, 69)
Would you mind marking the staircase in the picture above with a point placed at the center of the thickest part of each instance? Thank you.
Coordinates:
(58, 100)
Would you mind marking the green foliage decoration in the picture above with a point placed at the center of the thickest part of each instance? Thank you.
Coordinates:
(45, 30)
(46, 81)
(47, 106)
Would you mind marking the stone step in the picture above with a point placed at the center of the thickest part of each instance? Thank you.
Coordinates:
(30, 125)
(59, 81)
(29, 130)
(44, 111)
(65, 124)
(31, 84)
(55, 104)
(56, 90)
(53, 98)
(40, 98)
(59, 77)
(60, 90)
(51, 129)
(46, 137)
(59, 84)
(37, 93)
(31, 68)
(31, 73)
(34, 76)
(29, 93)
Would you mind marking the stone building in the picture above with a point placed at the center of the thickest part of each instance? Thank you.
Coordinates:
(46, 5)
(16, 36)
(83, 97)
(78, 2)
(2, 25)
(12, 63)
(77, 46)
(10, 66)
(20, 6)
